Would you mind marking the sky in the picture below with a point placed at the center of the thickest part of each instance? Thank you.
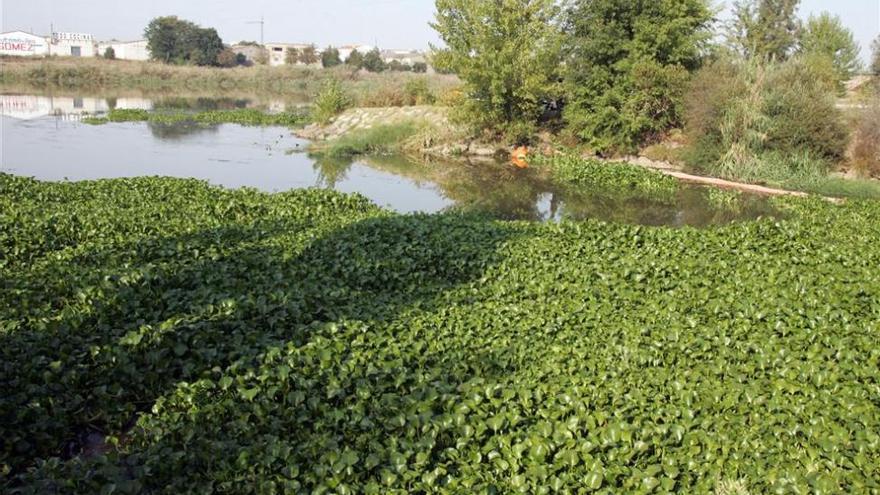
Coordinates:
(388, 23)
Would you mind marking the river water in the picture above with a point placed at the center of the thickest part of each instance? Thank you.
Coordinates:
(42, 137)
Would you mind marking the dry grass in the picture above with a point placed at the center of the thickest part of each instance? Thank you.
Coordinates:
(92, 75)
(864, 155)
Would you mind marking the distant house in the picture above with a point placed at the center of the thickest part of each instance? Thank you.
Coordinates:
(345, 50)
(406, 57)
(126, 50)
(278, 51)
(23, 44)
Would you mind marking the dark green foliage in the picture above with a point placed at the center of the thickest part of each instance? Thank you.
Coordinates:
(307, 342)
(398, 66)
(355, 60)
(765, 29)
(110, 53)
(420, 67)
(628, 67)
(507, 54)
(173, 40)
(330, 57)
(373, 61)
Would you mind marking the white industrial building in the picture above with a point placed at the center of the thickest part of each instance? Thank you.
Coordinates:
(126, 50)
(72, 45)
(278, 51)
(26, 107)
(22, 44)
(406, 57)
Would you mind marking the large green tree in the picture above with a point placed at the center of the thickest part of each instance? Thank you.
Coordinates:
(627, 67)
(507, 54)
(826, 35)
(766, 29)
(174, 40)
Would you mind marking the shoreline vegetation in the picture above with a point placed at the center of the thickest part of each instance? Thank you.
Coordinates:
(243, 116)
(155, 78)
(432, 136)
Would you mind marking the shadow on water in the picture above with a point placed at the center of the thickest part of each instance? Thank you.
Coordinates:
(178, 309)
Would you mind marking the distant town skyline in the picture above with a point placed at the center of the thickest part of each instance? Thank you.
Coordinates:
(388, 23)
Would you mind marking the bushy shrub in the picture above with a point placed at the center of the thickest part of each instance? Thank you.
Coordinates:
(227, 58)
(418, 92)
(799, 101)
(110, 53)
(330, 101)
(763, 121)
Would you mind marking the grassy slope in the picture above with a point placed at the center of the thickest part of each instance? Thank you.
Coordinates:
(309, 341)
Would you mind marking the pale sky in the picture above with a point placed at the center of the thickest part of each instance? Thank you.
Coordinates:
(390, 23)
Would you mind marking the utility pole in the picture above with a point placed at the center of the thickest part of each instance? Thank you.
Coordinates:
(262, 23)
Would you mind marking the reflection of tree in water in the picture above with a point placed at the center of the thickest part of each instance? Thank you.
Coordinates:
(494, 188)
(179, 130)
(201, 103)
(511, 193)
(331, 169)
(690, 206)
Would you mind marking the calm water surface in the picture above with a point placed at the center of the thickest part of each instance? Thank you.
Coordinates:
(44, 138)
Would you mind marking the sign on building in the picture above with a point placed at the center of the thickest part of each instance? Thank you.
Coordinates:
(22, 44)
(72, 37)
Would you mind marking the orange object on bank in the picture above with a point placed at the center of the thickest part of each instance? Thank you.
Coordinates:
(519, 157)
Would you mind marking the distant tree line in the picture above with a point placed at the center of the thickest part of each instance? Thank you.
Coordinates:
(177, 41)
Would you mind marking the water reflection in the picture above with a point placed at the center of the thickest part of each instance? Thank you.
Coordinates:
(179, 131)
(75, 107)
(271, 159)
(27, 107)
